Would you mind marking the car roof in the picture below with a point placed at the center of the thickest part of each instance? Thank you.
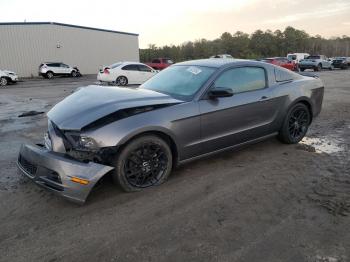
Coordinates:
(130, 63)
(219, 62)
(277, 57)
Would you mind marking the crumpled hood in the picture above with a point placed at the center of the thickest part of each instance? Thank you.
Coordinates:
(93, 102)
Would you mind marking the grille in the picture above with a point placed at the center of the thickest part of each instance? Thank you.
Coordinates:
(27, 166)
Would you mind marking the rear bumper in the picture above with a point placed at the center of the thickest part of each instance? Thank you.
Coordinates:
(317, 100)
(54, 172)
(340, 65)
(307, 66)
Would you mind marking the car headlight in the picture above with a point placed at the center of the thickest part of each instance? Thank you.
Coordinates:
(86, 142)
(80, 142)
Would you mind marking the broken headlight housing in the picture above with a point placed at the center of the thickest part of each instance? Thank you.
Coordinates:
(80, 142)
(86, 142)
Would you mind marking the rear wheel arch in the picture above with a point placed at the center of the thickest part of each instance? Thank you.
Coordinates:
(303, 100)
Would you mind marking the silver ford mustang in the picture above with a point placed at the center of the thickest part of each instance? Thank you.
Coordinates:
(187, 111)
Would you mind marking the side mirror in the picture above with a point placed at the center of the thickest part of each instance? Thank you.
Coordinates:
(220, 92)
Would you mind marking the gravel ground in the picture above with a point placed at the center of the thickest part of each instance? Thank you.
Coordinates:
(267, 202)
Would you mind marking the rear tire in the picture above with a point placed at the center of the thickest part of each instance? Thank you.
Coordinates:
(144, 162)
(121, 81)
(49, 75)
(3, 81)
(295, 124)
(302, 69)
(318, 67)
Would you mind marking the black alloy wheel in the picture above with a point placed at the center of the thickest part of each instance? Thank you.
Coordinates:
(146, 165)
(144, 162)
(295, 124)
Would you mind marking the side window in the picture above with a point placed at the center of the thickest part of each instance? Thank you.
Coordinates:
(144, 68)
(242, 79)
(131, 68)
(64, 66)
(54, 65)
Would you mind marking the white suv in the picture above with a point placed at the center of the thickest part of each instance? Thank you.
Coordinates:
(7, 77)
(51, 69)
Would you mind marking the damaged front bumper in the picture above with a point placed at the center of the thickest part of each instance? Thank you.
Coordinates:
(59, 173)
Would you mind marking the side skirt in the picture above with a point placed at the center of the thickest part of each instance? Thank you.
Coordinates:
(234, 147)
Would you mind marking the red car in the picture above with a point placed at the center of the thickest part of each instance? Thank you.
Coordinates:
(283, 62)
(160, 63)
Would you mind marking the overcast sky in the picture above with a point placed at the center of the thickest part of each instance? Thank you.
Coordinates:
(173, 22)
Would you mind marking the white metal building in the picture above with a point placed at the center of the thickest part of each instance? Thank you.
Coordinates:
(23, 46)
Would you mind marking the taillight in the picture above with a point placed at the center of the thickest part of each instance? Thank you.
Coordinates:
(106, 71)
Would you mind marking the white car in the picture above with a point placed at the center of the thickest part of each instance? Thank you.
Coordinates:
(222, 56)
(7, 77)
(51, 69)
(124, 73)
(297, 57)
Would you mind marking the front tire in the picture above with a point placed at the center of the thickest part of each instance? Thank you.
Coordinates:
(74, 73)
(144, 162)
(3, 81)
(296, 124)
(121, 81)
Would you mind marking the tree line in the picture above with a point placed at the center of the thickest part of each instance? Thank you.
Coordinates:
(256, 45)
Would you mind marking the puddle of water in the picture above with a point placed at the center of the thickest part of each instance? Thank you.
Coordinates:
(323, 145)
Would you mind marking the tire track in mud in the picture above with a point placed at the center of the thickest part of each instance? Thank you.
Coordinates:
(332, 190)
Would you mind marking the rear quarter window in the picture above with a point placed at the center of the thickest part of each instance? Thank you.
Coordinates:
(283, 75)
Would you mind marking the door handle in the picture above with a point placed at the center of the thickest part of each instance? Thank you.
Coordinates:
(263, 98)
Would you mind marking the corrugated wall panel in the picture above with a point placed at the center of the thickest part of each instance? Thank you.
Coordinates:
(24, 47)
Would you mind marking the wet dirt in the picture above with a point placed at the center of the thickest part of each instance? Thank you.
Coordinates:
(267, 202)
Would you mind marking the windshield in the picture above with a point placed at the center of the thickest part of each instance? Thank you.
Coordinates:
(292, 57)
(339, 58)
(181, 82)
(313, 57)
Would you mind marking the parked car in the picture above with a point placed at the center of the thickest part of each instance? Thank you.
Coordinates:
(282, 62)
(341, 62)
(7, 77)
(296, 57)
(187, 111)
(315, 62)
(51, 69)
(124, 73)
(222, 56)
(160, 63)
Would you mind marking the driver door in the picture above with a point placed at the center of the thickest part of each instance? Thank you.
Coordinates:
(248, 114)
